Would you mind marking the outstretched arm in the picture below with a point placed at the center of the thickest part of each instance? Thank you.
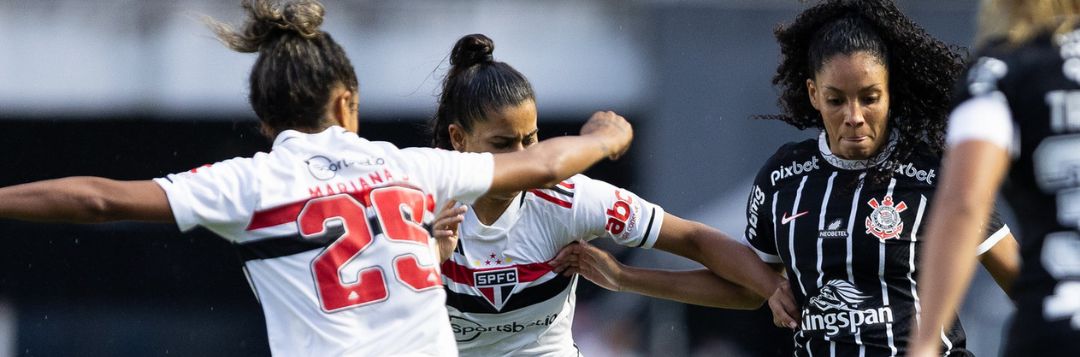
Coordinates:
(85, 200)
(724, 256)
(965, 197)
(605, 135)
(699, 287)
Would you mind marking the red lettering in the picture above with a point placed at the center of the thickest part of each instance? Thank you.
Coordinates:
(620, 211)
(363, 184)
(342, 187)
(329, 189)
(315, 192)
(375, 178)
(615, 226)
(618, 195)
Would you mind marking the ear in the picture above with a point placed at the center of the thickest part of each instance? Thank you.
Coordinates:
(344, 110)
(457, 136)
(811, 91)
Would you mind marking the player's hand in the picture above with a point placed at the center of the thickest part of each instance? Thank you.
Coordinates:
(591, 262)
(612, 129)
(784, 310)
(445, 228)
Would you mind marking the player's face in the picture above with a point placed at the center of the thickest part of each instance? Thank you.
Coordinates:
(852, 94)
(506, 130)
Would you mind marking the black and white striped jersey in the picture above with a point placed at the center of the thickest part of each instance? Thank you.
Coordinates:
(1030, 96)
(849, 245)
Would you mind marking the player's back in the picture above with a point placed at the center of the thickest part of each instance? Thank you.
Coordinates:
(331, 230)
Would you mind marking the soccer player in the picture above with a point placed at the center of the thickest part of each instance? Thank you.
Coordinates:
(504, 297)
(1014, 117)
(331, 226)
(843, 213)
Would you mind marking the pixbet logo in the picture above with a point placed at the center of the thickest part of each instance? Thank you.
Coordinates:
(619, 213)
(794, 169)
(910, 170)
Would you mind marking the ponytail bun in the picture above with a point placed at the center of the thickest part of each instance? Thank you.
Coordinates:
(471, 50)
(267, 22)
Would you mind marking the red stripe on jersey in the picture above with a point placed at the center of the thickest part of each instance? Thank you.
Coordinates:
(567, 184)
(464, 275)
(550, 198)
(288, 213)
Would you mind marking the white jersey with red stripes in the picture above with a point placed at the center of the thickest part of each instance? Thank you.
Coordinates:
(503, 298)
(332, 230)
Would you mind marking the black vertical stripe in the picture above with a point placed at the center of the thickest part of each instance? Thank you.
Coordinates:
(648, 228)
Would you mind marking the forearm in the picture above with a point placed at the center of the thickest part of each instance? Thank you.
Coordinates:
(735, 262)
(85, 200)
(548, 162)
(947, 265)
(72, 199)
(699, 287)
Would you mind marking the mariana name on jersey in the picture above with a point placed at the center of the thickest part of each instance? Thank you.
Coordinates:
(355, 184)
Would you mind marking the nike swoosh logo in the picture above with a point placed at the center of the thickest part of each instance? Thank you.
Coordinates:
(786, 219)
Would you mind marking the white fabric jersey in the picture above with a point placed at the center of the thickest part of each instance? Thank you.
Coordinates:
(504, 299)
(331, 229)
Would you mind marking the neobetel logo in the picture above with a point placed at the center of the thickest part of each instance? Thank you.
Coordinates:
(839, 305)
(757, 197)
(910, 170)
(466, 330)
(794, 169)
(834, 230)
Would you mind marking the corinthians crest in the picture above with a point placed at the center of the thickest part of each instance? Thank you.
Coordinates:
(885, 222)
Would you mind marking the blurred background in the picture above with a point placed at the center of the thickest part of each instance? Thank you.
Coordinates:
(136, 89)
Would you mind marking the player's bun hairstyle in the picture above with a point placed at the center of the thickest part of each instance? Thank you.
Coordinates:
(298, 63)
(922, 70)
(475, 86)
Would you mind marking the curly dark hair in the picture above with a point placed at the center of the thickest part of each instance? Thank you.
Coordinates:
(922, 69)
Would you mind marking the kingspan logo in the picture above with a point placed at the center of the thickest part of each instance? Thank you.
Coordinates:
(841, 311)
(794, 169)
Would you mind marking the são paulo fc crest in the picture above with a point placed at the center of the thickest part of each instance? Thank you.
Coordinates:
(885, 222)
(496, 285)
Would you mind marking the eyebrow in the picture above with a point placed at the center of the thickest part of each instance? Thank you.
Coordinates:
(872, 86)
(501, 137)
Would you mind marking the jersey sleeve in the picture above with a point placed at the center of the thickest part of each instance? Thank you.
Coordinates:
(219, 196)
(603, 210)
(980, 109)
(759, 233)
(459, 176)
(996, 230)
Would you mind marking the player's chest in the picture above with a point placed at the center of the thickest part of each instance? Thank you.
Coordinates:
(838, 208)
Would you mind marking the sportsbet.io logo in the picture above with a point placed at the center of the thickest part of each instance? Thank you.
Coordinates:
(466, 330)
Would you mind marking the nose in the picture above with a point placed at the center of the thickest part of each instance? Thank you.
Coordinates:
(853, 116)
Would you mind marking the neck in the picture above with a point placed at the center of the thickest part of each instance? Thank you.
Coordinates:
(488, 209)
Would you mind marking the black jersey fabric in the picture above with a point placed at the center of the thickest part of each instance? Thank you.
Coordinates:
(1039, 81)
(849, 245)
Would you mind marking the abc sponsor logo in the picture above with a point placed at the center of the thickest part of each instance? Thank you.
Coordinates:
(794, 169)
(466, 330)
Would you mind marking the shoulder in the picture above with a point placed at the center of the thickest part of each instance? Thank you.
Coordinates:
(791, 159)
(563, 195)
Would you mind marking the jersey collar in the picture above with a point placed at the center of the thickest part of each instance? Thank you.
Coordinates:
(290, 134)
(826, 153)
